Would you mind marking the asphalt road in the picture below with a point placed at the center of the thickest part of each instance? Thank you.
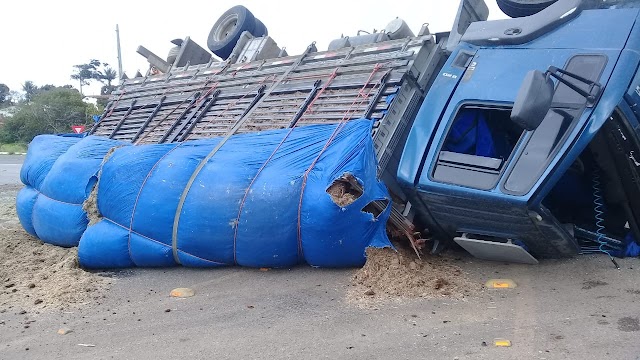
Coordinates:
(581, 308)
(576, 309)
(10, 169)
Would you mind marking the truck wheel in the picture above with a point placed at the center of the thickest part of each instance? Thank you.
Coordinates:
(226, 31)
(520, 8)
(260, 29)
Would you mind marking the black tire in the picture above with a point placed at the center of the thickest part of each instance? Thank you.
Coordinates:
(260, 29)
(226, 31)
(520, 8)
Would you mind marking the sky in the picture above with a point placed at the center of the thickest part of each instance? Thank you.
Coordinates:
(42, 40)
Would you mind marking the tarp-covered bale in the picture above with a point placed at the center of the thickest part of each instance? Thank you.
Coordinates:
(56, 173)
(43, 152)
(261, 200)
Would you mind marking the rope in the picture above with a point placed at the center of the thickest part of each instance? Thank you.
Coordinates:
(132, 232)
(235, 72)
(201, 98)
(337, 130)
(331, 77)
(106, 115)
(160, 122)
(124, 91)
(234, 103)
(144, 182)
(185, 192)
(206, 94)
(284, 139)
(203, 162)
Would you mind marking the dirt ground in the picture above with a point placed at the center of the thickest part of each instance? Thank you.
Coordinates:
(390, 275)
(394, 307)
(35, 276)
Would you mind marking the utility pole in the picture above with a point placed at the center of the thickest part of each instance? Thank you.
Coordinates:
(119, 54)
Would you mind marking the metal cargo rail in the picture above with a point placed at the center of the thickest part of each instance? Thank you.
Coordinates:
(384, 82)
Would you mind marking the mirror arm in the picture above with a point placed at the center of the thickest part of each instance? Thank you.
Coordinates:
(553, 71)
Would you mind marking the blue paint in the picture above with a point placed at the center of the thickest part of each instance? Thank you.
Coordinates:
(493, 79)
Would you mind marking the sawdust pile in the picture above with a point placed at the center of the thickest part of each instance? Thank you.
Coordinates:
(90, 204)
(36, 276)
(345, 190)
(389, 275)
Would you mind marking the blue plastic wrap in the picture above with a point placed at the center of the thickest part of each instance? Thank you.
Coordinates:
(43, 152)
(56, 172)
(25, 201)
(631, 247)
(140, 188)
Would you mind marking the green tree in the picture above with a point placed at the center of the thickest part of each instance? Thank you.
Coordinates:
(5, 95)
(84, 73)
(30, 89)
(107, 75)
(46, 88)
(16, 97)
(52, 111)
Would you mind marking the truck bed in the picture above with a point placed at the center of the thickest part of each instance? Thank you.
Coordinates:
(383, 82)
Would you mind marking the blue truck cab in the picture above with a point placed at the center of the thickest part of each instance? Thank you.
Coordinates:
(567, 184)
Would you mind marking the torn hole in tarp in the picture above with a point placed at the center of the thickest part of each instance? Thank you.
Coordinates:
(376, 207)
(345, 190)
(90, 204)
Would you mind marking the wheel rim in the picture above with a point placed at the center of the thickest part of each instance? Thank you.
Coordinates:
(226, 27)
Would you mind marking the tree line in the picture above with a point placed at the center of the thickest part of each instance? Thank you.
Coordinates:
(50, 109)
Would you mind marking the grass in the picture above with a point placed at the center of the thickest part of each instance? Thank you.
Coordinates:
(13, 148)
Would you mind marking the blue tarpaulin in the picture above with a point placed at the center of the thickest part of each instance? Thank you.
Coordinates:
(631, 248)
(56, 172)
(259, 200)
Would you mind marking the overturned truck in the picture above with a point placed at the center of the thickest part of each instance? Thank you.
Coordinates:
(516, 139)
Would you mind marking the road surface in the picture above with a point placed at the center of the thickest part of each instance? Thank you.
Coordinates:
(10, 169)
(581, 308)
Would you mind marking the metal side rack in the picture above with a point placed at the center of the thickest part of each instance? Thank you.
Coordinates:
(384, 82)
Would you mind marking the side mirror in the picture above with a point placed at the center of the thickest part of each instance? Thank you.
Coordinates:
(533, 100)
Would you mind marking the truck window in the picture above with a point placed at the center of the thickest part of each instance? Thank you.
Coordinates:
(478, 143)
(543, 145)
(486, 132)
